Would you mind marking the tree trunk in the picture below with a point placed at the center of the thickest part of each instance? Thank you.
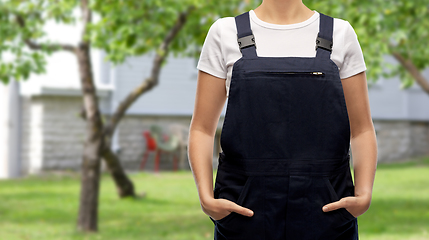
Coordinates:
(90, 173)
(124, 185)
(99, 136)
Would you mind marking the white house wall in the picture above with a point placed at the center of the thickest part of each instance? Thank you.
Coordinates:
(174, 94)
(10, 130)
(387, 101)
(418, 105)
(53, 132)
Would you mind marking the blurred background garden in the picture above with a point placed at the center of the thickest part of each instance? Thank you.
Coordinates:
(45, 207)
(96, 99)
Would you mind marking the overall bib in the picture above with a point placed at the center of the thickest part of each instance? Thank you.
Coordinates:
(285, 145)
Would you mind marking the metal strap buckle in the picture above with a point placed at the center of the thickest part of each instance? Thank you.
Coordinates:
(246, 41)
(323, 43)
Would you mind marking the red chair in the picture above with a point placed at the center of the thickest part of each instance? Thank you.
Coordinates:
(153, 144)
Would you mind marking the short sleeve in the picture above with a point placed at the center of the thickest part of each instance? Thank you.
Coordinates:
(211, 58)
(354, 62)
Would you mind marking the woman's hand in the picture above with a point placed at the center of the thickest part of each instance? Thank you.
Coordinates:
(356, 205)
(220, 208)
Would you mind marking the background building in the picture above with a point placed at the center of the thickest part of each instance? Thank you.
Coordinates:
(41, 129)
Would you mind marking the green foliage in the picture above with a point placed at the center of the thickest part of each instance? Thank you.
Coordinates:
(17, 60)
(384, 27)
(126, 28)
(122, 28)
(136, 27)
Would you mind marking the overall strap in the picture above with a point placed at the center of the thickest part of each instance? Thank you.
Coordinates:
(324, 38)
(245, 38)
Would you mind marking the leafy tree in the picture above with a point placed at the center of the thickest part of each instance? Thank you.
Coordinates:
(126, 28)
(399, 28)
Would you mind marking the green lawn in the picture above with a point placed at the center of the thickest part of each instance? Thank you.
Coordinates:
(46, 207)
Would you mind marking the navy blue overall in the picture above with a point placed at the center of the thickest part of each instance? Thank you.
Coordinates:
(285, 145)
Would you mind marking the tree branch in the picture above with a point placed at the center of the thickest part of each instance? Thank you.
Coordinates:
(412, 69)
(86, 18)
(151, 81)
(36, 46)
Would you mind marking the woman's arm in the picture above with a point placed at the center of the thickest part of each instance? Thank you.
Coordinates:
(363, 145)
(209, 101)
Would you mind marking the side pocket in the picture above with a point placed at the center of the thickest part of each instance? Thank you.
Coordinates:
(244, 191)
(346, 214)
(234, 193)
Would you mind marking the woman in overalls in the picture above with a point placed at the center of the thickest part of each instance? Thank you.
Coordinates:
(297, 104)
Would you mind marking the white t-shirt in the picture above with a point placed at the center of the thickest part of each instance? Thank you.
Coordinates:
(221, 50)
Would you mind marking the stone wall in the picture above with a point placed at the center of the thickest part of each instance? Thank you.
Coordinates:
(53, 133)
(400, 140)
(53, 137)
